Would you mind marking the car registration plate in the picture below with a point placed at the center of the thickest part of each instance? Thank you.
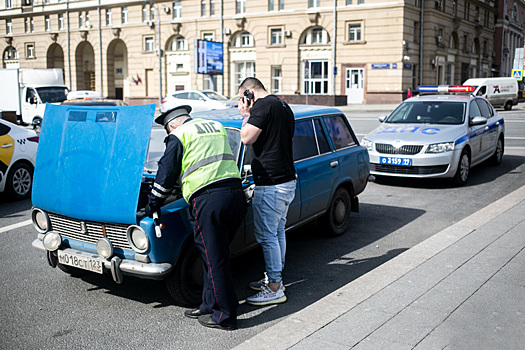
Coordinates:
(79, 261)
(395, 161)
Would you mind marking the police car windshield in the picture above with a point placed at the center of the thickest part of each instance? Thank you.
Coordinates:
(428, 112)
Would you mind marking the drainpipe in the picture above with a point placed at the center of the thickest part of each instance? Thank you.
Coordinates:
(160, 58)
(334, 41)
(421, 43)
(222, 41)
(68, 46)
(100, 50)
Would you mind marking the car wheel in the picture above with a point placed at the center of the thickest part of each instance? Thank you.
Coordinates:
(498, 153)
(508, 105)
(19, 181)
(461, 176)
(338, 216)
(73, 271)
(184, 283)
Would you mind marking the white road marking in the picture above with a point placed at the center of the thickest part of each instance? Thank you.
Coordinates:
(15, 226)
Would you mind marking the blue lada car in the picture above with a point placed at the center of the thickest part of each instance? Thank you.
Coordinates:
(96, 165)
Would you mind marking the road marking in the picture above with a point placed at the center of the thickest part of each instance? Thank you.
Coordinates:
(15, 226)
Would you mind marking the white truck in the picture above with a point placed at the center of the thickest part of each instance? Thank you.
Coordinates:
(25, 92)
(500, 92)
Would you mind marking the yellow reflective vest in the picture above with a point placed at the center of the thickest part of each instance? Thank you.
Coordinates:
(207, 156)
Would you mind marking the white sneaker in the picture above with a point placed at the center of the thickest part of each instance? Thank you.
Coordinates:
(267, 297)
(257, 285)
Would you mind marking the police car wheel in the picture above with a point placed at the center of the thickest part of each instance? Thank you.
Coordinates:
(19, 181)
(461, 176)
(498, 152)
(338, 216)
(184, 283)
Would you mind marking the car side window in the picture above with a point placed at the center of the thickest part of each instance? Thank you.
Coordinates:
(304, 144)
(322, 141)
(339, 132)
(194, 96)
(4, 129)
(474, 110)
(484, 108)
(490, 110)
(182, 95)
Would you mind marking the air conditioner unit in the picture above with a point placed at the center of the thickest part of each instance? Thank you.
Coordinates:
(439, 39)
(167, 10)
(150, 23)
(88, 25)
(227, 31)
(287, 33)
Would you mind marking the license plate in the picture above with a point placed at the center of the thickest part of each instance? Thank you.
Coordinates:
(395, 161)
(79, 261)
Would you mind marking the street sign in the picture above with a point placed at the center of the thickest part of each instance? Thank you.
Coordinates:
(517, 73)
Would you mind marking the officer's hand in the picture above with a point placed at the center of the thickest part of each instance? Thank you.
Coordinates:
(148, 210)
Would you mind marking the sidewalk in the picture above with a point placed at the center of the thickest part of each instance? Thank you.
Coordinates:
(463, 288)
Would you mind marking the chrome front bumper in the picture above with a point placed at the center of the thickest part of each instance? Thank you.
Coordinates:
(118, 266)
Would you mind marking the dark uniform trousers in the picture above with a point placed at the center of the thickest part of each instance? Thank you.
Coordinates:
(217, 213)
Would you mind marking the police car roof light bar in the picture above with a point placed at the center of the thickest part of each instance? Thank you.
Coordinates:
(444, 89)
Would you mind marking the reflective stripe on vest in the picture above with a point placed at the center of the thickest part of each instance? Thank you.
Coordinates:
(206, 161)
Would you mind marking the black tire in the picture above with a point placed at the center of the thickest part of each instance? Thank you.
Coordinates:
(508, 105)
(73, 271)
(461, 176)
(19, 181)
(184, 283)
(338, 216)
(498, 153)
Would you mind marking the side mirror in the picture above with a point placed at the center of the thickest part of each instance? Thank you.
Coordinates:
(382, 118)
(33, 100)
(477, 121)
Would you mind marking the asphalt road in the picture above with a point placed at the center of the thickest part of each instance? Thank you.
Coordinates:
(43, 308)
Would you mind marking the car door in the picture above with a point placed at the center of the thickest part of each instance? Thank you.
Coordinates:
(316, 165)
(7, 148)
(490, 135)
(475, 133)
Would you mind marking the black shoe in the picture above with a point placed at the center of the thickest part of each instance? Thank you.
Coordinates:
(195, 313)
(207, 321)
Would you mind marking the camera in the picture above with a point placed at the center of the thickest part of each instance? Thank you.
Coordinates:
(248, 97)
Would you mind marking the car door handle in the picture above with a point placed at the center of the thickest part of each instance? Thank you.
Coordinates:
(487, 128)
(7, 145)
(334, 164)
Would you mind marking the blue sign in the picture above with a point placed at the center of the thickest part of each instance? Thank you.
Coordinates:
(209, 57)
(407, 65)
(380, 65)
(394, 65)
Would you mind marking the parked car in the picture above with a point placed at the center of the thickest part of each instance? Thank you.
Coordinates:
(94, 102)
(92, 180)
(199, 100)
(437, 136)
(18, 148)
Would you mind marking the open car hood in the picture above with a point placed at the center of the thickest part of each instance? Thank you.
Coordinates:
(90, 161)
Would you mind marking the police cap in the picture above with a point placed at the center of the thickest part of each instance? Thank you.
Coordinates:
(173, 113)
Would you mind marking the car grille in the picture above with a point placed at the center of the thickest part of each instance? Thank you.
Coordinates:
(406, 149)
(411, 170)
(71, 228)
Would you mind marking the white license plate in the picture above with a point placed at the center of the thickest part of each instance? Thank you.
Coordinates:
(395, 161)
(79, 261)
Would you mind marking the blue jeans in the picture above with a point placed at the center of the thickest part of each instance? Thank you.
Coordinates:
(270, 207)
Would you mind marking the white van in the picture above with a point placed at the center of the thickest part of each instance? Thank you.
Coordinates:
(500, 92)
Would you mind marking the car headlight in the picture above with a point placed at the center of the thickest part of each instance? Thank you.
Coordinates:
(367, 144)
(40, 220)
(138, 239)
(52, 241)
(440, 147)
(104, 248)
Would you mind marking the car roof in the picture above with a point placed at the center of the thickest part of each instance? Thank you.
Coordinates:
(231, 116)
(440, 97)
(94, 102)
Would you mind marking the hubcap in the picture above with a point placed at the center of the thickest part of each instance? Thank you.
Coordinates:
(339, 212)
(464, 167)
(21, 181)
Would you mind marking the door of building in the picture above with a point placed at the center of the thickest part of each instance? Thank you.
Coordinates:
(354, 85)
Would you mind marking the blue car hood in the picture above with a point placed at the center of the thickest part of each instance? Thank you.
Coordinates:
(90, 161)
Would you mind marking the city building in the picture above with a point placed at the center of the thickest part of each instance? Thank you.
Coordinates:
(510, 29)
(138, 50)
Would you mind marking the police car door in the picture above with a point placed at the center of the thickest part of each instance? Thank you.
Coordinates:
(475, 133)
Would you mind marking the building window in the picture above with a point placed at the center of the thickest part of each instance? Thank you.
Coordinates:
(514, 13)
(415, 38)
(151, 12)
(30, 51)
(243, 70)
(177, 9)
(272, 5)
(149, 44)
(467, 10)
(61, 25)
(31, 25)
(212, 7)
(88, 24)
(348, 2)
(207, 36)
(203, 8)
(109, 20)
(144, 14)
(8, 4)
(276, 80)
(317, 36)
(10, 54)
(360, 2)
(454, 8)
(354, 32)
(178, 44)
(8, 26)
(314, 3)
(26, 25)
(80, 19)
(240, 6)
(243, 39)
(276, 36)
(316, 77)
(449, 75)
(124, 15)
(476, 15)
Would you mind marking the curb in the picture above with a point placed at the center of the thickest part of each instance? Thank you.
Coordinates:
(307, 321)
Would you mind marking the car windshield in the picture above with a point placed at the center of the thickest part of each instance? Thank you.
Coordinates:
(52, 94)
(157, 147)
(428, 112)
(215, 96)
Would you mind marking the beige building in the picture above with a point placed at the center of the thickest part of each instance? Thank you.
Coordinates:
(377, 50)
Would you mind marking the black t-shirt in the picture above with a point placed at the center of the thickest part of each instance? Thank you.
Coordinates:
(273, 156)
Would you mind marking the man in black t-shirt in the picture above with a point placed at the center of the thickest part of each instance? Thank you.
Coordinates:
(268, 125)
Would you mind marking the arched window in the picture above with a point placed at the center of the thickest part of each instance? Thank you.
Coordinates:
(315, 36)
(243, 39)
(10, 54)
(178, 43)
(514, 13)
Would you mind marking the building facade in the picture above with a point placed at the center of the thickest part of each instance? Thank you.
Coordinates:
(309, 51)
(510, 30)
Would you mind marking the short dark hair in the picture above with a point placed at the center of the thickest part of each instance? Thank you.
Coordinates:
(252, 83)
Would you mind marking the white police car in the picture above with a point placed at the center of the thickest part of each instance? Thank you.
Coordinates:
(436, 136)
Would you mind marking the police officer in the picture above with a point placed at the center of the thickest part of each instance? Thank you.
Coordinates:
(198, 152)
